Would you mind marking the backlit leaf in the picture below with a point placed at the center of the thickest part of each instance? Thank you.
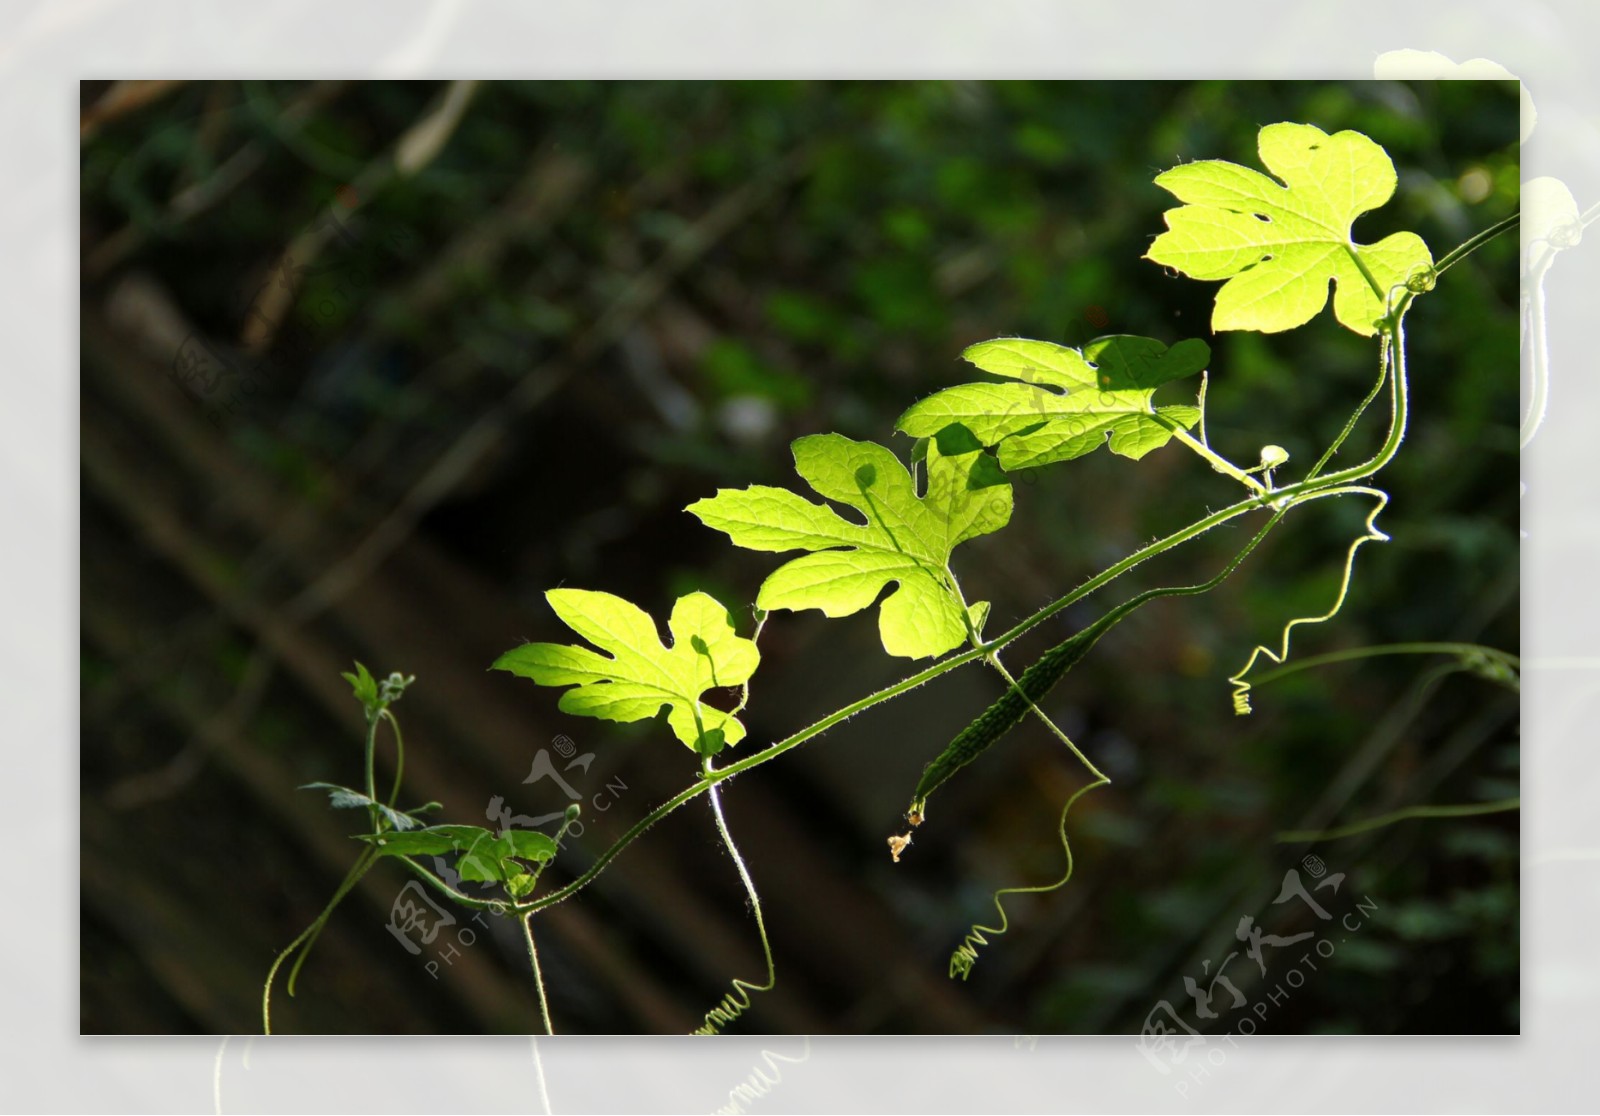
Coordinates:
(1279, 245)
(903, 537)
(1063, 403)
(641, 675)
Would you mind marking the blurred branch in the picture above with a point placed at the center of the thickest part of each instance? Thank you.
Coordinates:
(175, 774)
(492, 426)
(122, 98)
(1408, 813)
(196, 198)
(416, 148)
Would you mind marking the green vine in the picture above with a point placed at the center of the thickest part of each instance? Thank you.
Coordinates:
(1277, 245)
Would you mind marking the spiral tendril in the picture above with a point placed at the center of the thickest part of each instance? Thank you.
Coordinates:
(965, 955)
(736, 1002)
(730, 1007)
(1241, 686)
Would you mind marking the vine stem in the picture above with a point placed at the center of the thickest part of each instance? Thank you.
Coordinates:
(380, 822)
(1473, 243)
(373, 720)
(364, 863)
(1283, 498)
(1292, 497)
(399, 757)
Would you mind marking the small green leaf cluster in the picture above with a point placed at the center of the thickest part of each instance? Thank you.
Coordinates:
(375, 697)
(485, 857)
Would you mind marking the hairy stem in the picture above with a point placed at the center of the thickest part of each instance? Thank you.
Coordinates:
(538, 975)
(1305, 494)
(1473, 243)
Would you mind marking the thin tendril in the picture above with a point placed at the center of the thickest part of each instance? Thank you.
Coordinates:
(1241, 687)
(758, 1084)
(1392, 359)
(362, 865)
(737, 1002)
(966, 954)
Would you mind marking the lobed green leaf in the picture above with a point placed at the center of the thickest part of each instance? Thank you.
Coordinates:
(1065, 403)
(1279, 245)
(641, 675)
(906, 538)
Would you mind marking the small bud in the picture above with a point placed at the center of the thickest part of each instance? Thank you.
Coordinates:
(573, 811)
(1273, 456)
(1422, 280)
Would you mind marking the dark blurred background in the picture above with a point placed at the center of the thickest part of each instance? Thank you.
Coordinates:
(367, 367)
